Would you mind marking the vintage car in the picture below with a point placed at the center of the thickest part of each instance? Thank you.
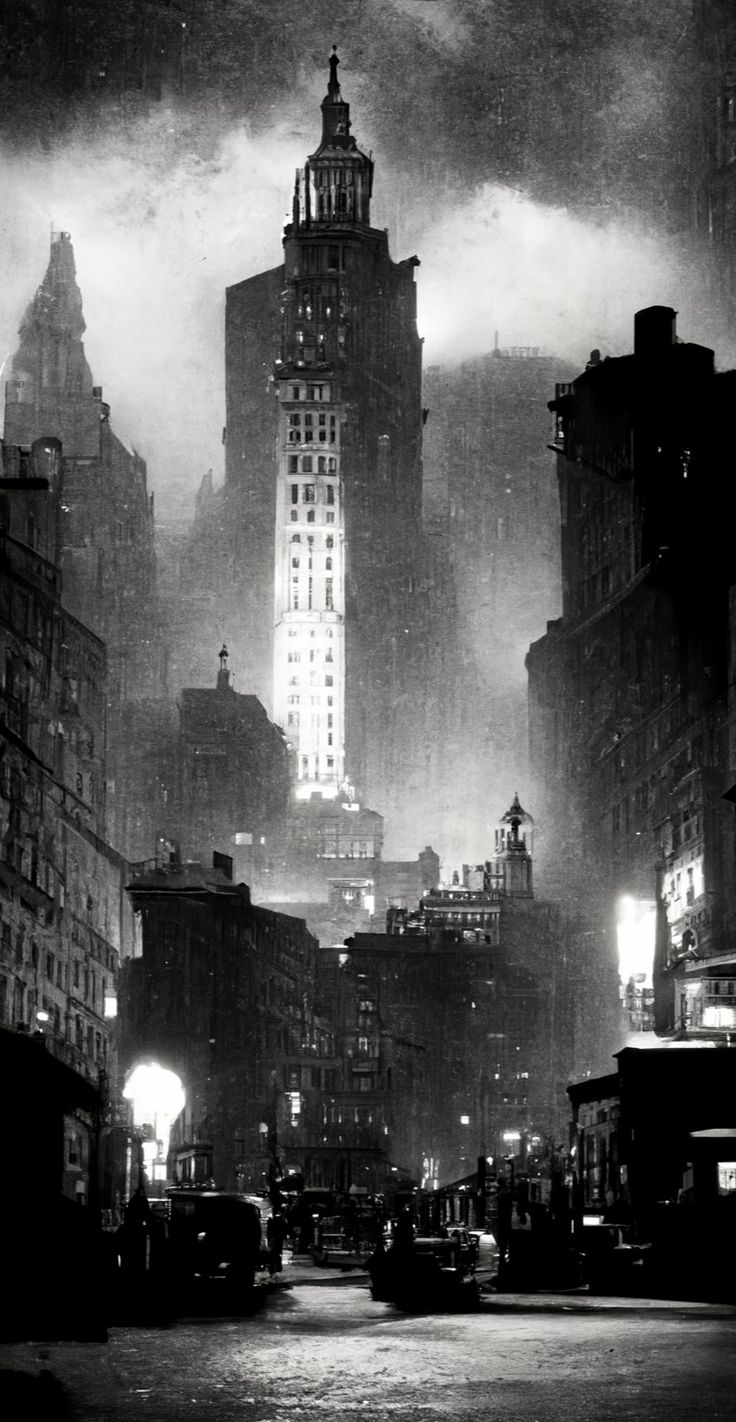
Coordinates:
(429, 1274)
(214, 1246)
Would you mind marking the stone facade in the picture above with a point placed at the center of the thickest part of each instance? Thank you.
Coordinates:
(336, 622)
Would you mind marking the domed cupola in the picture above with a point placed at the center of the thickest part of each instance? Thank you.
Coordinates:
(512, 867)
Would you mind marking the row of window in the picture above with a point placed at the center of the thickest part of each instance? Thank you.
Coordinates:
(316, 392)
(313, 680)
(303, 599)
(310, 492)
(16, 1004)
(307, 436)
(314, 655)
(311, 516)
(306, 773)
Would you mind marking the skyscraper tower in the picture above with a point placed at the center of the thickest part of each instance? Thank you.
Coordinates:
(323, 372)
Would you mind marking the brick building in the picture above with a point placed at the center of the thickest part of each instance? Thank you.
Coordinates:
(223, 995)
(630, 700)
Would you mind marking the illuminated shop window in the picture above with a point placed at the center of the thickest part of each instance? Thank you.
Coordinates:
(727, 1177)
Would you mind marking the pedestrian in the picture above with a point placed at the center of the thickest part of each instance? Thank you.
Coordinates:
(276, 1231)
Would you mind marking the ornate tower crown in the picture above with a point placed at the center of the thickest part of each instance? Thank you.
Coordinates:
(335, 186)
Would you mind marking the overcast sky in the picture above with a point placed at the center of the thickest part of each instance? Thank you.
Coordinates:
(534, 156)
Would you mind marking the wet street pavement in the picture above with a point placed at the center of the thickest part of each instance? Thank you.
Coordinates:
(324, 1349)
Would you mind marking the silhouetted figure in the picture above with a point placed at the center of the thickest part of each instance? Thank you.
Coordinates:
(277, 1230)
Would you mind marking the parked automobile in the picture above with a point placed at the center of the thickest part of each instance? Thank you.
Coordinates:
(214, 1245)
(429, 1274)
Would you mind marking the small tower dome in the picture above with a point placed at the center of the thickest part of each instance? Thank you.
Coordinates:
(223, 675)
(512, 866)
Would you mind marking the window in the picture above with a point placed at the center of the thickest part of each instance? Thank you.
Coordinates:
(310, 516)
(306, 464)
(294, 493)
(328, 564)
(328, 595)
(330, 493)
(330, 516)
(330, 542)
(293, 464)
(308, 494)
(293, 515)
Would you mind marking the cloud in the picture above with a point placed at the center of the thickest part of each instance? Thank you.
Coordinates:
(542, 276)
(155, 244)
(163, 220)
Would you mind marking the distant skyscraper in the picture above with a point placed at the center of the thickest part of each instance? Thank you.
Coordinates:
(107, 553)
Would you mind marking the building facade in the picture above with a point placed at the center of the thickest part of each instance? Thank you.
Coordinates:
(64, 921)
(223, 996)
(106, 529)
(630, 702)
(312, 559)
(472, 1013)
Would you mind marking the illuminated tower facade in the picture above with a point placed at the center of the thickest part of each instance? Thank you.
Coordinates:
(323, 371)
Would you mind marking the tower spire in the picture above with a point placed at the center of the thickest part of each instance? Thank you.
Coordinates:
(333, 88)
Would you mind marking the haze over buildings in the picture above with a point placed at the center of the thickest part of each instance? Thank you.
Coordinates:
(381, 555)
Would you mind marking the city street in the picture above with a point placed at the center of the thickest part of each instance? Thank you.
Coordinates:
(326, 1350)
